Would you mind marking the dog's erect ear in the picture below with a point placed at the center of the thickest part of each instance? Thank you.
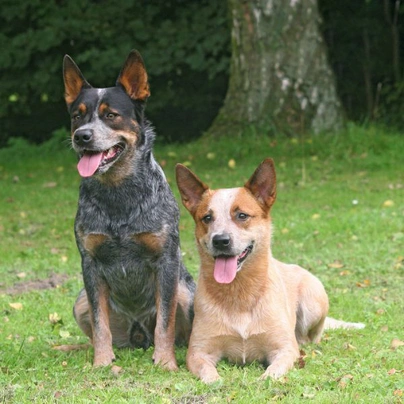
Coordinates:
(133, 77)
(73, 79)
(190, 186)
(262, 183)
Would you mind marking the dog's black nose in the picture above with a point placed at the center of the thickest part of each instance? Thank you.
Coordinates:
(221, 241)
(83, 137)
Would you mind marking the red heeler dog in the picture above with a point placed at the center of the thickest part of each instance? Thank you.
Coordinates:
(137, 291)
(248, 305)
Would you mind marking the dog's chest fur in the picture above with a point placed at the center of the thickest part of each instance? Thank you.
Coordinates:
(127, 230)
(242, 336)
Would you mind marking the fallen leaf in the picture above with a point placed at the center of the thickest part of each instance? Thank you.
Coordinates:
(54, 318)
(301, 361)
(57, 394)
(210, 156)
(21, 275)
(388, 203)
(363, 284)
(64, 334)
(343, 380)
(49, 185)
(231, 163)
(342, 384)
(399, 262)
(398, 393)
(349, 347)
(337, 264)
(395, 343)
(116, 370)
(16, 306)
(391, 371)
(316, 216)
(308, 395)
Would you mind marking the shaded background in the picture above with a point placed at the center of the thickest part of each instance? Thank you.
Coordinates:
(186, 48)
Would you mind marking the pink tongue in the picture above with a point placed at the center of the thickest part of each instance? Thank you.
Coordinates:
(88, 164)
(225, 269)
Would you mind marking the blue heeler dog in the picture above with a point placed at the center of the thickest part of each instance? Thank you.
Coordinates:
(137, 290)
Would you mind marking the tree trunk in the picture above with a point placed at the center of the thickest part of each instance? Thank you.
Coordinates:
(280, 80)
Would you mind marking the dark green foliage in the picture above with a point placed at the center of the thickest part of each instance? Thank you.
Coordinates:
(363, 39)
(184, 45)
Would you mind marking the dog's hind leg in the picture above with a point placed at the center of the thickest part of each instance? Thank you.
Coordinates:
(316, 332)
(123, 330)
(185, 311)
(81, 312)
(311, 311)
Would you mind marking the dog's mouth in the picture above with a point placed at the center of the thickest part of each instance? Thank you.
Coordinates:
(226, 267)
(92, 161)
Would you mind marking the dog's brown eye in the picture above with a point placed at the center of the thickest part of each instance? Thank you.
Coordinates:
(110, 115)
(207, 219)
(76, 117)
(242, 216)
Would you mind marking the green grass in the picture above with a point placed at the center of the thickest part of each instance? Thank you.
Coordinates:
(331, 216)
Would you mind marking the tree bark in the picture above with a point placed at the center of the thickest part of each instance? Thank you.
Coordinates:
(280, 80)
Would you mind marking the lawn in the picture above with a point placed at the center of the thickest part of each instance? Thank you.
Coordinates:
(339, 213)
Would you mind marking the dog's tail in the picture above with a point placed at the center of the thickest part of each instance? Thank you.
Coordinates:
(332, 324)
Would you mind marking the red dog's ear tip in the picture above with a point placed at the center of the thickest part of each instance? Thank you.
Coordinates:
(135, 52)
(269, 161)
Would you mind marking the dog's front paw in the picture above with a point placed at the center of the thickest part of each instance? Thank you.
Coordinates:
(274, 372)
(103, 359)
(211, 377)
(166, 360)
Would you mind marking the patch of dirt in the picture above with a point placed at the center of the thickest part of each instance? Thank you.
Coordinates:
(190, 399)
(53, 281)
